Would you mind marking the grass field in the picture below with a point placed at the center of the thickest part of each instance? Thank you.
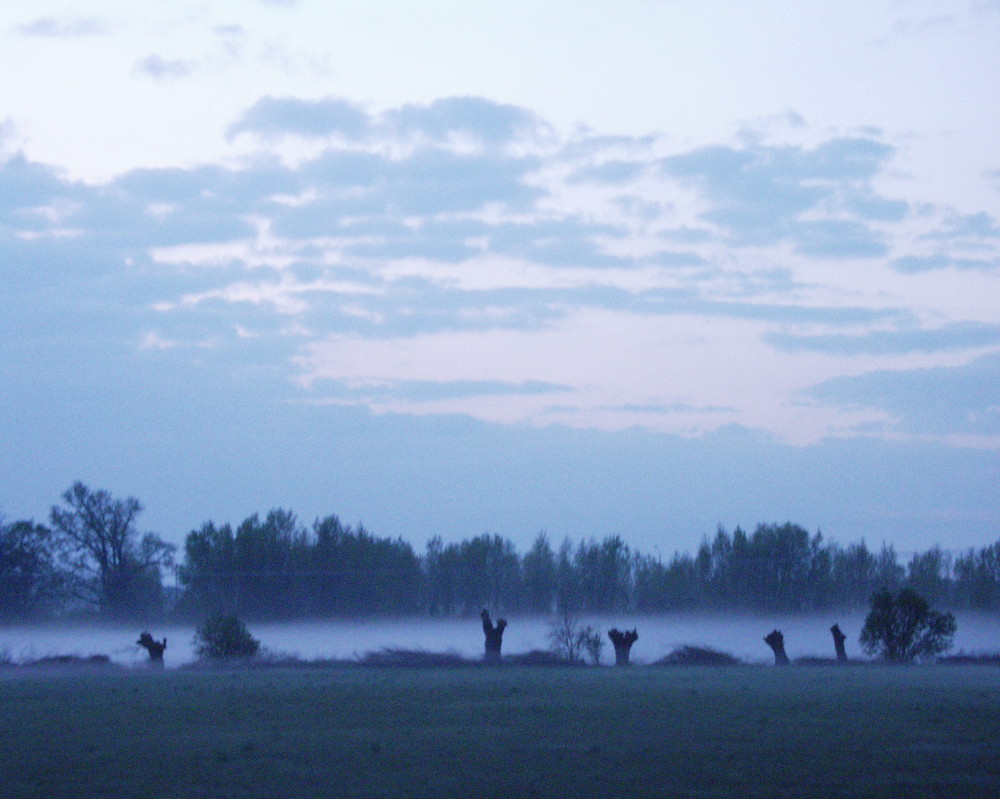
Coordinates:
(502, 732)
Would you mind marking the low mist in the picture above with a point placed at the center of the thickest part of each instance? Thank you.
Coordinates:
(742, 636)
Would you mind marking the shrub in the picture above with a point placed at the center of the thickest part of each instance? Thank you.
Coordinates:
(224, 636)
(413, 658)
(903, 627)
(570, 640)
(697, 656)
(594, 645)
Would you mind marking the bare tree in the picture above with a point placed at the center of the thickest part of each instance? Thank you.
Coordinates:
(111, 564)
(570, 639)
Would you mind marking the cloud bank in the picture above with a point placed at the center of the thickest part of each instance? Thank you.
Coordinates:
(459, 257)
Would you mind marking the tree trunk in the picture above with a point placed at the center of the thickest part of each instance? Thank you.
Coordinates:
(776, 641)
(622, 642)
(838, 643)
(153, 647)
(494, 635)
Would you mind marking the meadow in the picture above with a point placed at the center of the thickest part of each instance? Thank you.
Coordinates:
(502, 731)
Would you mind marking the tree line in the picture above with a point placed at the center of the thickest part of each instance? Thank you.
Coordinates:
(92, 558)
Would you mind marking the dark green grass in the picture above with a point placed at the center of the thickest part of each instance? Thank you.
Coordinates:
(741, 731)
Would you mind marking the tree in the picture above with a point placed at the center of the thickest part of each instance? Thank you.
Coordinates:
(903, 627)
(109, 563)
(604, 574)
(977, 577)
(30, 583)
(224, 636)
(622, 642)
(928, 574)
(570, 639)
(539, 569)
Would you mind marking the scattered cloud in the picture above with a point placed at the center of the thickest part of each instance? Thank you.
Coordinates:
(159, 68)
(763, 195)
(460, 258)
(959, 336)
(925, 263)
(943, 401)
(272, 117)
(52, 27)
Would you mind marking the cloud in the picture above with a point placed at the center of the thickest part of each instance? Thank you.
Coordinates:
(961, 400)
(159, 68)
(449, 121)
(911, 264)
(474, 117)
(417, 262)
(50, 27)
(418, 391)
(761, 195)
(276, 116)
(961, 336)
(968, 227)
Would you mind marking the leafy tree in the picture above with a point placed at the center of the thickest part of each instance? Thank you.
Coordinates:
(569, 597)
(538, 567)
(109, 562)
(274, 568)
(660, 587)
(977, 577)
(223, 635)
(903, 627)
(209, 575)
(441, 575)
(928, 574)
(604, 574)
(853, 570)
(30, 583)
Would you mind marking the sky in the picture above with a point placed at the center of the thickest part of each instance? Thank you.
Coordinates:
(448, 268)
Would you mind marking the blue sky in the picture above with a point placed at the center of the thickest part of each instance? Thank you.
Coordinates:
(448, 268)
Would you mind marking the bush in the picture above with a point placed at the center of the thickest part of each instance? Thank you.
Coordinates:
(224, 636)
(413, 658)
(903, 627)
(697, 656)
(570, 640)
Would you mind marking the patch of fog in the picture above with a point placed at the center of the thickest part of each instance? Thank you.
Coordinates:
(742, 636)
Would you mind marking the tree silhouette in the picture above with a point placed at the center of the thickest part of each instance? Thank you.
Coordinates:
(776, 640)
(153, 647)
(838, 643)
(224, 636)
(111, 564)
(903, 627)
(622, 642)
(30, 583)
(494, 635)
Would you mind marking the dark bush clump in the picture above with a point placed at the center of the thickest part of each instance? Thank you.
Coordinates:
(413, 658)
(697, 656)
(540, 657)
(224, 636)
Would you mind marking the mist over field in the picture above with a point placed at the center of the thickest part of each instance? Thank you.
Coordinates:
(740, 635)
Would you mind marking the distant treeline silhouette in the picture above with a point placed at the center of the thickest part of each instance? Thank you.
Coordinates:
(277, 568)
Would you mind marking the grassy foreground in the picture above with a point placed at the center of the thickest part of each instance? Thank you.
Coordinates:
(503, 732)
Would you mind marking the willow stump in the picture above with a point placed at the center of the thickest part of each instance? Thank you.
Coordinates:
(838, 643)
(494, 635)
(776, 641)
(622, 642)
(153, 647)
